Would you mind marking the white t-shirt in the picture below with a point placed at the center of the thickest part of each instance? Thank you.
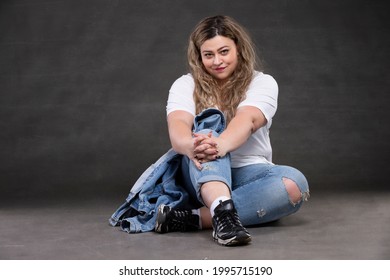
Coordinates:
(262, 93)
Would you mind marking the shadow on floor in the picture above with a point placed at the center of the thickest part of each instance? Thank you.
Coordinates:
(346, 226)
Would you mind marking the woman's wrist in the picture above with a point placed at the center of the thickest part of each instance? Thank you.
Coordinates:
(222, 147)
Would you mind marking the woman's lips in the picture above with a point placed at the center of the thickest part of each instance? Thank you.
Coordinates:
(220, 69)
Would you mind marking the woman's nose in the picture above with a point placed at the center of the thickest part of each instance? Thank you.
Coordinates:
(217, 60)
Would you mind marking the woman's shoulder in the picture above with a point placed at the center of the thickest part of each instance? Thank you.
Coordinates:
(264, 79)
(184, 85)
(184, 80)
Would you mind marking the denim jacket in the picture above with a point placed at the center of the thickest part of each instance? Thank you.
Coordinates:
(160, 184)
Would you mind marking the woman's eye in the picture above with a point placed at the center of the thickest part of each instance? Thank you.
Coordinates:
(208, 55)
(224, 52)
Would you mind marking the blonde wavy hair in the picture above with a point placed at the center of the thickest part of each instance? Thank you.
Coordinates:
(208, 93)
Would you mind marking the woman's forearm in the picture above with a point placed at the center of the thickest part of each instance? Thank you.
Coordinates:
(181, 137)
(247, 120)
(237, 133)
(180, 132)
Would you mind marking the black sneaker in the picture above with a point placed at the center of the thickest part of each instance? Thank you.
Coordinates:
(227, 228)
(169, 220)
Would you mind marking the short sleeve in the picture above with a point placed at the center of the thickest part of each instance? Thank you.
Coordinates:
(263, 94)
(181, 95)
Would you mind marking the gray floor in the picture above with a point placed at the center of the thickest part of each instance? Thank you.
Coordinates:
(342, 226)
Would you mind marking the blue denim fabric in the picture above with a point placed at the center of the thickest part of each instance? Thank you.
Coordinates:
(258, 191)
(157, 185)
(210, 119)
(218, 170)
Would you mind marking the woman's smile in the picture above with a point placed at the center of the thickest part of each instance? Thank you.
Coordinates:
(220, 69)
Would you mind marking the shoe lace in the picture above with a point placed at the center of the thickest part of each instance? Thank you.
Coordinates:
(229, 219)
(180, 220)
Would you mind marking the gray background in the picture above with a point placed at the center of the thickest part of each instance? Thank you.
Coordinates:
(83, 88)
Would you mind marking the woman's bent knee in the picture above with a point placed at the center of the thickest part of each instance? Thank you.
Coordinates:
(293, 191)
(296, 185)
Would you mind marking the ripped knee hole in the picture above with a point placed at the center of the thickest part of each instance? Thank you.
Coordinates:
(293, 191)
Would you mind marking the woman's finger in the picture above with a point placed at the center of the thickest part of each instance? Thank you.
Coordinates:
(197, 163)
(204, 148)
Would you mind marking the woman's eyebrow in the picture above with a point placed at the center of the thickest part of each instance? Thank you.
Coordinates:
(205, 51)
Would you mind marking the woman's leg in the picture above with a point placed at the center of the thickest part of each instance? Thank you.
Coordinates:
(211, 187)
(265, 192)
(269, 192)
(212, 181)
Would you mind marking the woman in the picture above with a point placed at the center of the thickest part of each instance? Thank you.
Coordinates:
(228, 173)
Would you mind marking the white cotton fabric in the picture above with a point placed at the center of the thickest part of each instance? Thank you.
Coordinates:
(262, 94)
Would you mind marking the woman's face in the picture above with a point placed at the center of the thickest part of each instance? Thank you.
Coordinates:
(219, 57)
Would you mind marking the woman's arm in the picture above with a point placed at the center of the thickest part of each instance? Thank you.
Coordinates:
(180, 133)
(247, 120)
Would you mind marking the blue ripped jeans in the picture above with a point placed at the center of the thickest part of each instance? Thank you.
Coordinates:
(258, 191)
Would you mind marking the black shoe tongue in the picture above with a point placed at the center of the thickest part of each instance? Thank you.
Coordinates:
(226, 205)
